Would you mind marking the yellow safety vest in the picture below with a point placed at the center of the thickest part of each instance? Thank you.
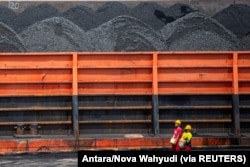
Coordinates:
(187, 137)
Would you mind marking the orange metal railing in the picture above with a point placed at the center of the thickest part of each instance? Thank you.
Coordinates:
(43, 74)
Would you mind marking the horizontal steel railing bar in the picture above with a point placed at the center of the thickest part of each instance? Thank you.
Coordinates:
(244, 80)
(195, 66)
(243, 66)
(196, 93)
(195, 107)
(200, 121)
(244, 107)
(80, 108)
(38, 82)
(113, 121)
(115, 108)
(114, 81)
(35, 68)
(245, 120)
(90, 67)
(117, 122)
(149, 121)
(36, 109)
(115, 93)
(36, 122)
(193, 80)
(244, 93)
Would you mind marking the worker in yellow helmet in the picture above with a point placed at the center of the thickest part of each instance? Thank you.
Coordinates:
(185, 141)
(176, 136)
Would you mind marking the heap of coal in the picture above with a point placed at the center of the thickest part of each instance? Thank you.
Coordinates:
(236, 18)
(197, 31)
(245, 43)
(7, 16)
(9, 40)
(34, 14)
(145, 12)
(82, 16)
(116, 27)
(111, 10)
(125, 33)
(178, 10)
(55, 34)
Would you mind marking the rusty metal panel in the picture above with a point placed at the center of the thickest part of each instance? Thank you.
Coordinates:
(108, 143)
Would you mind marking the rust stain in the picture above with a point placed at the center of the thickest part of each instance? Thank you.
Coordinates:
(62, 145)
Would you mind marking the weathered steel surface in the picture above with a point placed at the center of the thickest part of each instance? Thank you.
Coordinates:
(71, 144)
(122, 93)
(134, 73)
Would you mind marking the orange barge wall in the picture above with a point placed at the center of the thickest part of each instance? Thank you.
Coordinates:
(122, 73)
(42, 74)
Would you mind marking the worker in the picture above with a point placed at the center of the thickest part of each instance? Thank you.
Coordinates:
(176, 136)
(186, 138)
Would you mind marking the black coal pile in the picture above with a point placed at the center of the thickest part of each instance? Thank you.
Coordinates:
(7, 16)
(245, 43)
(145, 12)
(9, 40)
(55, 34)
(111, 10)
(125, 33)
(116, 27)
(82, 16)
(34, 14)
(236, 18)
(197, 31)
(179, 10)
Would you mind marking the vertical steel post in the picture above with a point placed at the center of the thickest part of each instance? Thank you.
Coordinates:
(75, 113)
(235, 97)
(155, 100)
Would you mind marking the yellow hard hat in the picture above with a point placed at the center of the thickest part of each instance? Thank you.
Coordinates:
(188, 127)
(178, 121)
